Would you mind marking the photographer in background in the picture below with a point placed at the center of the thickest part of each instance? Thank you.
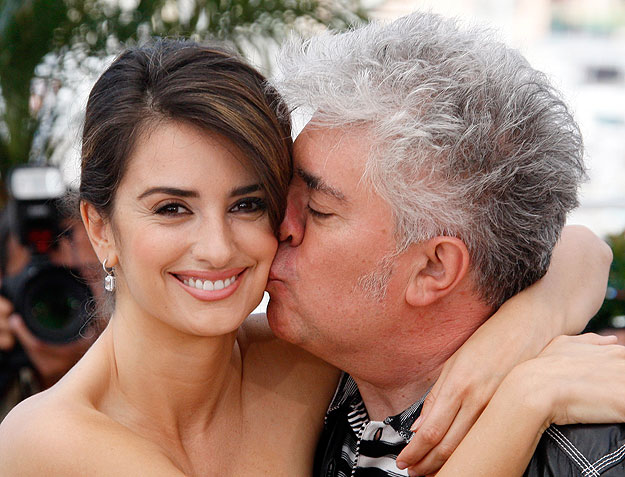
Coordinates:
(37, 362)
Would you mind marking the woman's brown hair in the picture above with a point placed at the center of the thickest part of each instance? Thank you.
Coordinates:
(207, 87)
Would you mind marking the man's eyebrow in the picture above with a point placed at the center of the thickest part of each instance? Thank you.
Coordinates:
(316, 183)
(169, 191)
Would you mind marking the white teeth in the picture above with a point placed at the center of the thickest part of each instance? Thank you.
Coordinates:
(208, 284)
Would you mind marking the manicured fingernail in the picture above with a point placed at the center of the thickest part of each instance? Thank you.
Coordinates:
(413, 473)
(415, 425)
(401, 464)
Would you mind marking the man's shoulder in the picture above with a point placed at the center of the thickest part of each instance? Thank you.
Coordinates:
(583, 449)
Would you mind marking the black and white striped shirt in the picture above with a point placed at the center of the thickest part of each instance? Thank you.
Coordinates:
(354, 446)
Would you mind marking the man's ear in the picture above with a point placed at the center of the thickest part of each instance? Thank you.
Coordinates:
(100, 234)
(444, 263)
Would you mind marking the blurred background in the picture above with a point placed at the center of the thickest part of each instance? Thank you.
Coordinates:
(51, 52)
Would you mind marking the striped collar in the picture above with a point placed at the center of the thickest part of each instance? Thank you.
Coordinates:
(347, 397)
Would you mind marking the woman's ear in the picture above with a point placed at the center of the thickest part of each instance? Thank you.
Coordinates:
(444, 263)
(100, 234)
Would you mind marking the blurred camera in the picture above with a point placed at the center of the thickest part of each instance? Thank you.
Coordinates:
(52, 300)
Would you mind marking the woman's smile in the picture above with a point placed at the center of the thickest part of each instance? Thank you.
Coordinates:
(210, 286)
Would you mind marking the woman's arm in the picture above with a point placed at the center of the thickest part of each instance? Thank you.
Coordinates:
(557, 387)
(561, 302)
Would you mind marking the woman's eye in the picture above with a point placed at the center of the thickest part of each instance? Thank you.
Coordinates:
(249, 205)
(172, 209)
(317, 214)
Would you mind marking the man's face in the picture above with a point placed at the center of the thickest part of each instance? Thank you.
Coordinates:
(336, 235)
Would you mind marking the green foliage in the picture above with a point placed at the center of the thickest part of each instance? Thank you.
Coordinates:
(25, 29)
(613, 307)
(32, 29)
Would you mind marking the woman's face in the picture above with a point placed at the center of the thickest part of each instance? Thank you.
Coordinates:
(191, 232)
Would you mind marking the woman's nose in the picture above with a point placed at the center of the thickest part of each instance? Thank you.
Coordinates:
(214, 243)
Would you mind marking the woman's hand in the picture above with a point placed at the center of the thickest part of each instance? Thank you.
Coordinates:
(467, 382)
(576, 380)
(559, 386)
(561, 302)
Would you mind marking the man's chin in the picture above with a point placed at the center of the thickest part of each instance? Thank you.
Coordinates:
(280, 320)
(274, 315)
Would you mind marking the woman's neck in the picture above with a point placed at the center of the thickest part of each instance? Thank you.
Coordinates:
(169, 379)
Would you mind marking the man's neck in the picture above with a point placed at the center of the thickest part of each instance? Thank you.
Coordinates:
(397, 387)
(384, 402)
(396, 377)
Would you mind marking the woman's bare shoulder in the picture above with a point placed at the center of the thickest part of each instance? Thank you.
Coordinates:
(271, 356)
(286, 393)
(45, 436)
(278, 367)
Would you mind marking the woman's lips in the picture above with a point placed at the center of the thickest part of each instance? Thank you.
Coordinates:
(210, 286)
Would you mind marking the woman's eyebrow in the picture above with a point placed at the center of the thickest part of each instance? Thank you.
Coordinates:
(192, 193)
(169, 191)
(245, 190)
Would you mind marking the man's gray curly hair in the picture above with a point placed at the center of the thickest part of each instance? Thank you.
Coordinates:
(467, 139)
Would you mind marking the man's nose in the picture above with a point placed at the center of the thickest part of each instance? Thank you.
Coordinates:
(294, 224)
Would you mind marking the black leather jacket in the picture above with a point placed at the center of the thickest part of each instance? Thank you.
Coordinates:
(580, 450)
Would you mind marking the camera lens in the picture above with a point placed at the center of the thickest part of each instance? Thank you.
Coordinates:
(54, 304)
(53, 310)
